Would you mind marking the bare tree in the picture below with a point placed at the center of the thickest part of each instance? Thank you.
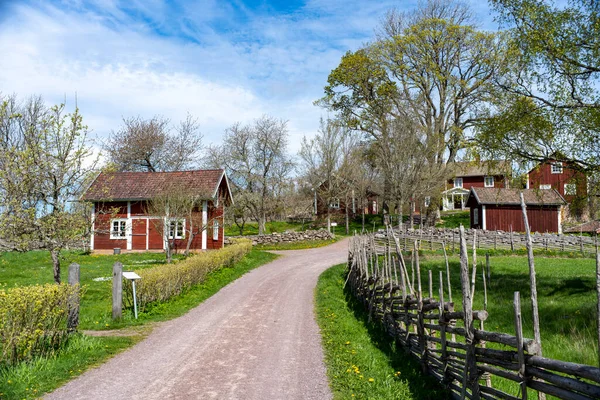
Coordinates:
(150, 145)
(257, 163)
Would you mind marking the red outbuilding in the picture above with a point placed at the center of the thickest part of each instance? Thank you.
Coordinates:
(125, 204)
(500, 209)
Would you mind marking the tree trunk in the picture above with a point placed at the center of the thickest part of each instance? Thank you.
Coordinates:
(190, 238)
(55, 254)
(347, 219)
(400, 216)
(328, 220)
(412, 216)
(261, 224)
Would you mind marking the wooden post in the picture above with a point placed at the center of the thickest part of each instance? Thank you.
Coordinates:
(474, 272)
(598, 294)
(512, 244)
(73, 302)
(534, 302)
(470, 377)
(448, 270)
(430, 285)
(117, 292)
(443, 323)
(496, 240)
(520, 353)
(420, 319)
(453, 234)
(581, 243)
(487, 267)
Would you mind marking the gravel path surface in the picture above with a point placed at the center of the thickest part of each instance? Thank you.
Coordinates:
(255, 339)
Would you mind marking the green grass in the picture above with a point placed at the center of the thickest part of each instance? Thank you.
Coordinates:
(362, 361)
(251, 228)
(454, 219)
(43, 374)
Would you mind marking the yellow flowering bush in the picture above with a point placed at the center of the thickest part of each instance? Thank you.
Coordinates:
(165, 281)
(33, 320)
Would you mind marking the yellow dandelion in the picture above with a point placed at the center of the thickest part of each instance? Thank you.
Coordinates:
(371, 380)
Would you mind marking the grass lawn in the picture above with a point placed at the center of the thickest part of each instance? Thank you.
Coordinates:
(362, 361)
(31, 379)
(454, 219)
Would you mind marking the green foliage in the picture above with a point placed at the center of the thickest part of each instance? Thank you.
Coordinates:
(160, 283)
(33, 320)
(454, 220)
(362, 361)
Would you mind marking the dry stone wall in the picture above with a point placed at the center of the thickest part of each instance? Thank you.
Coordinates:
(286, 237)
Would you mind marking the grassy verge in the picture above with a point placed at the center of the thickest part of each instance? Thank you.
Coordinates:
(362, 361)
(31, 379)
(453, 219)
(299, 245)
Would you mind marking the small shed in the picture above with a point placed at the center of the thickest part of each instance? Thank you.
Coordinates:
(500, 209)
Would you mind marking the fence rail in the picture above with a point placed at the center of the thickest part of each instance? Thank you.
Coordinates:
(497, 240)
(451, 345)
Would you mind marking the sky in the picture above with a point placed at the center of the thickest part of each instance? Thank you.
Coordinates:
(222, 61)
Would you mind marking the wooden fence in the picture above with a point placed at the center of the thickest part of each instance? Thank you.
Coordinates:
(451, 344)
(497, 240)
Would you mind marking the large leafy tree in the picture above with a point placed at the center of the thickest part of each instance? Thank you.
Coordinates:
(549, 103)
(431, 67)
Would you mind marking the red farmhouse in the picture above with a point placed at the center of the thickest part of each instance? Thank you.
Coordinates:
(500, 209)
(122, 200)
(563, 177)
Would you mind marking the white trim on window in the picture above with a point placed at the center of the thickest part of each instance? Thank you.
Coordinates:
(215, 230)
(556, 168)
(204, 223)
(118, 228)
(427, 201)
(334, 203)
(488, 181)
(475, 216)
(176, 228)
(458, 182)
(570, 189)
(483, 222)
(93, 226)
(546, 187)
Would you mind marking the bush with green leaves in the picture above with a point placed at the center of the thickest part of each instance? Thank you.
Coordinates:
(33, 320)
(165, 281)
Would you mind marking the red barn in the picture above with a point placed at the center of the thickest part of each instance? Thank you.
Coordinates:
(500, 209)
(123, 204)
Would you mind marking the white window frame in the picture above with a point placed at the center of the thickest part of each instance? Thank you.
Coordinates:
(335, 203)
(458, 182)
(488, 181)
(545, 187)
(476, 216)
(572, 189)
(179, 222)
(427, 201)
(215, 230)
(556, 168)
(121, 233)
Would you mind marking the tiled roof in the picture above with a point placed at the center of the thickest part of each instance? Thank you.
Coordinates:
(146, 185)
(483, 168)
(511, 196)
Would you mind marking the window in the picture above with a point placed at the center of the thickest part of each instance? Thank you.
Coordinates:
(545, 187)
(176, 229)
(458, 183)
(335, 203)
(570, 189)
(215, 230)
(556, 168)
(427, 201)
(118, 228)
(489, 181)
(476, 216)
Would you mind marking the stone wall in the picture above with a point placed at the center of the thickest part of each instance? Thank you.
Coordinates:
(286, 237)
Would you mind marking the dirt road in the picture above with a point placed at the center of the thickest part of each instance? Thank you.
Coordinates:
(255, 339)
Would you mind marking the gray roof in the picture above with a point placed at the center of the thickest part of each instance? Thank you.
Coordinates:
(481, 168)
(534, 197)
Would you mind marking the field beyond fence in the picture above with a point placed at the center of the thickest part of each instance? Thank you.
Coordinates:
(452, 344)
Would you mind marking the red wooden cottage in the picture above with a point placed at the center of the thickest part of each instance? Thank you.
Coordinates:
(468, 174)
(500, 209)
(563, 177)
(123, 204)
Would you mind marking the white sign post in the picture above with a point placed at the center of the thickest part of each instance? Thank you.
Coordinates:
(132, 276)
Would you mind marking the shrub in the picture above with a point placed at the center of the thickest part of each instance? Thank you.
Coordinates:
(165, 281)
(33, 320)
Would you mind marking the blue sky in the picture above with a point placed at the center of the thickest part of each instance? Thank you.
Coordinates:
(221, 61)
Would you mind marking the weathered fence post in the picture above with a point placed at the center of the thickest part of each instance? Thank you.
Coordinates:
(73, 302)
(117, 290)
(598, 293)
(470, 376)
(512, 243)
(487, 267)
(520, 353)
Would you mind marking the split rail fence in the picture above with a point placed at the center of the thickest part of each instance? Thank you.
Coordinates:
(435, 239)
(452, 344)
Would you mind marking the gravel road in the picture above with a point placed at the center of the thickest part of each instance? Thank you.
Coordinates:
(255, 339)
